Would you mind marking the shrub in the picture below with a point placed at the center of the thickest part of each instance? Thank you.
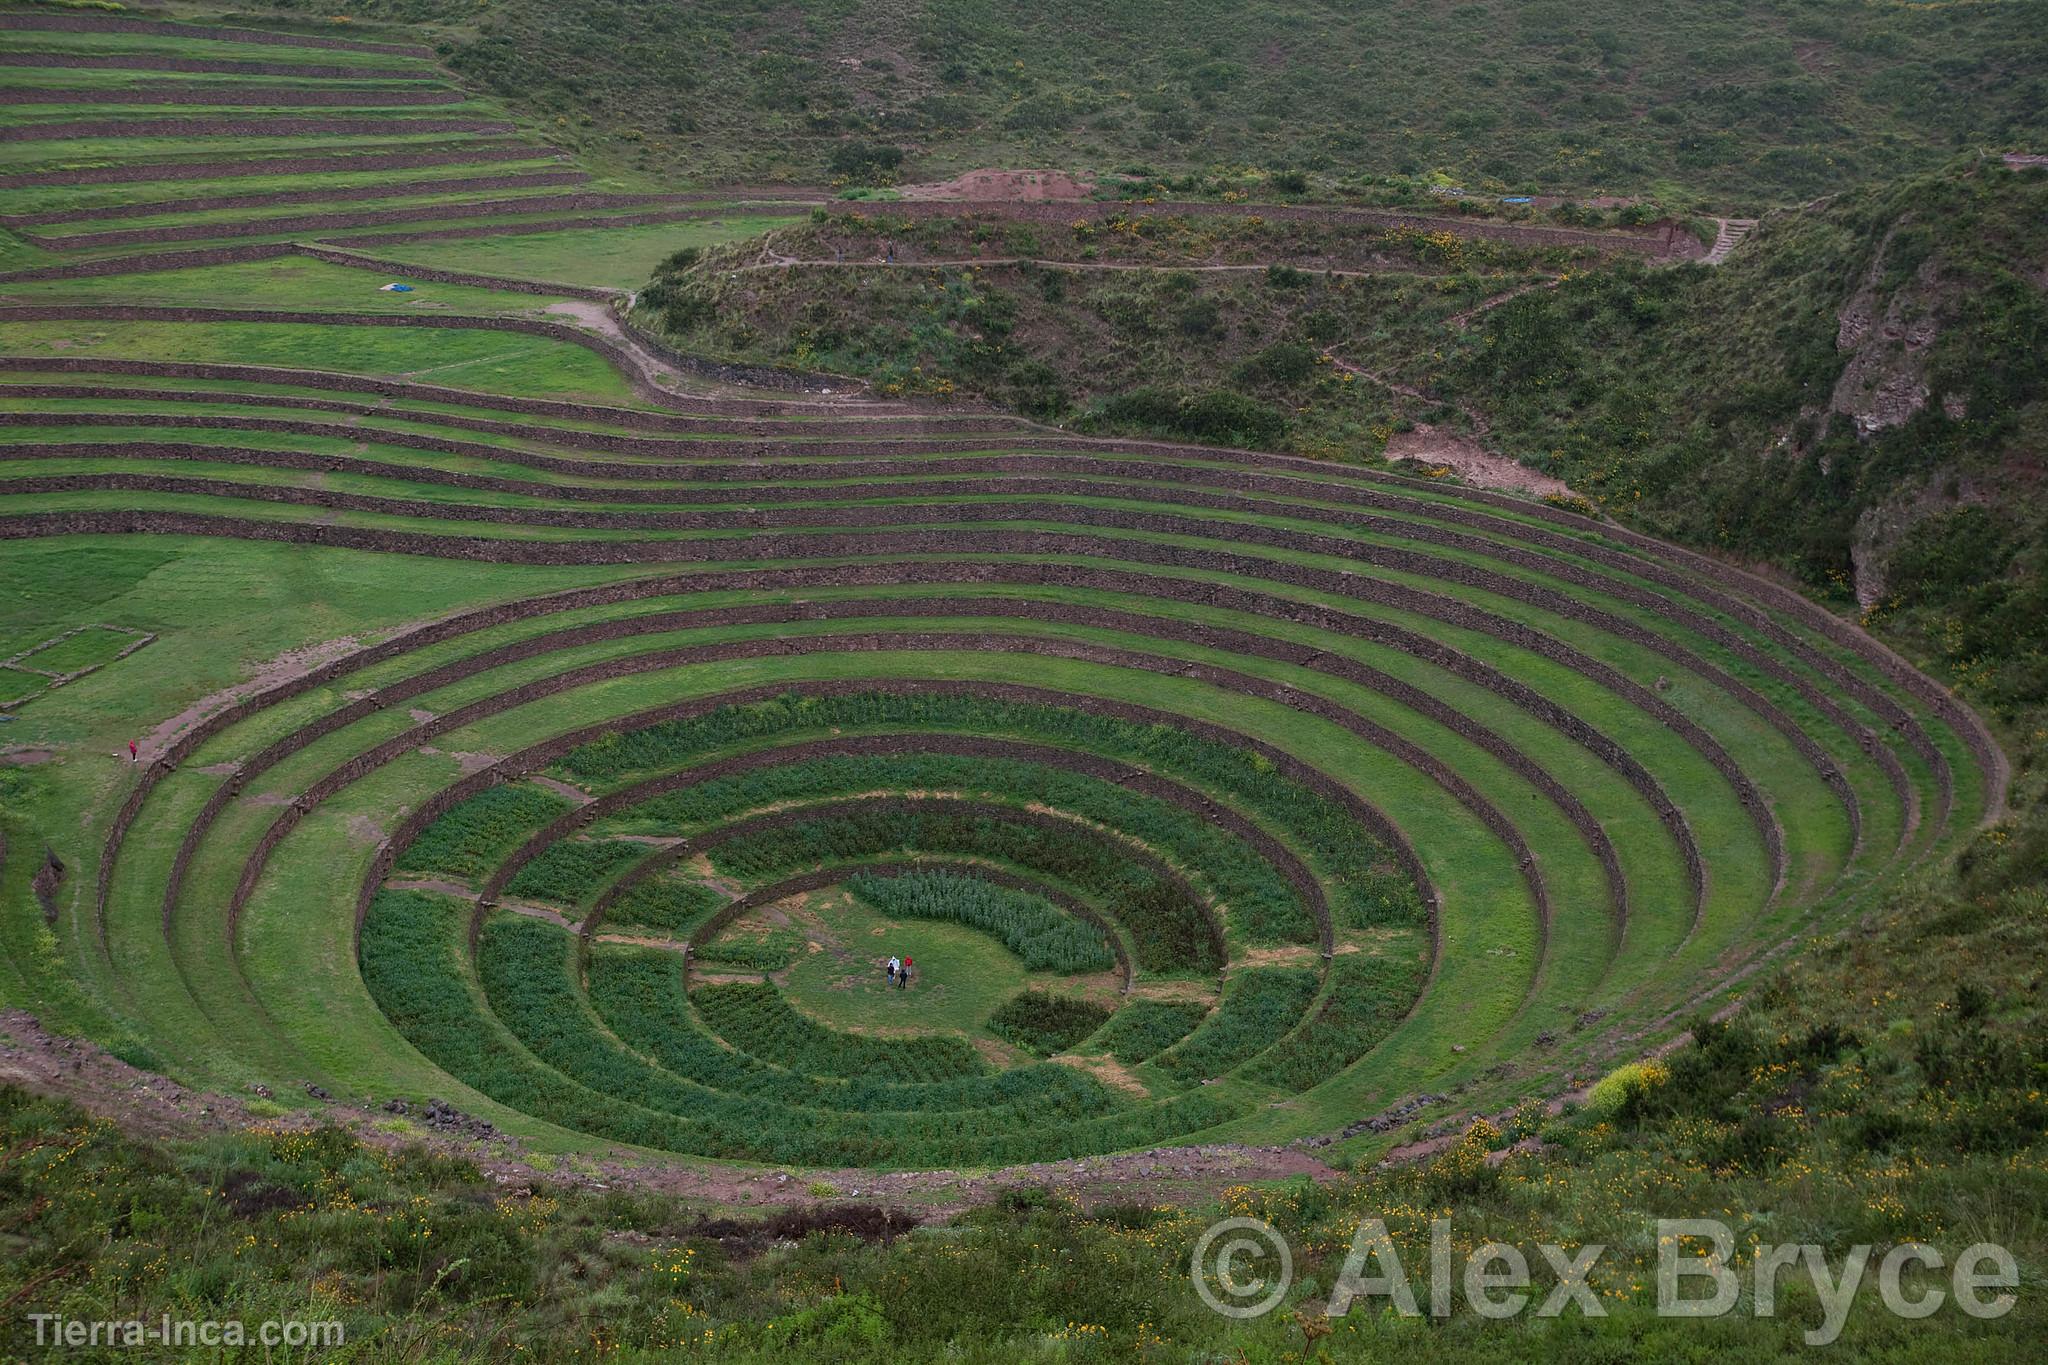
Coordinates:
(1366, 997)
(1616, 1096)
(864, 159)
(473, 838)
(1286, 363)
(570, 871)
(668, 903)
(677, 262)
(757, 1020)
(1144, 1028)
(1260, 1006)
(1215, 416)
(1045, 937)
(1044, 1024)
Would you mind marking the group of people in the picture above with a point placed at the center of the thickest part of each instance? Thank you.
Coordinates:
(899, 970)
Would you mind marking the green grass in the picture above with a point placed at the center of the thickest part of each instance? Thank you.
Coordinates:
(1506, 983)
(217, 48)
(291, 282)
(400, 195)
(489, 362)
(88, 648)
(46, 153)
(621, 257)
(15, 684)
(961, 976)
(86, 198)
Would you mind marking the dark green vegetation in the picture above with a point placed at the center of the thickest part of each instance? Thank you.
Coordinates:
(1763, 100)
(1061, 896)
(1043, 1024)
(1028, 925)
(1859, 394)
(1852, 396)
(1899, 1074)
(1226, 335)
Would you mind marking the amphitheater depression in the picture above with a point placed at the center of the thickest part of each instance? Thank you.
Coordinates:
(1222, 796)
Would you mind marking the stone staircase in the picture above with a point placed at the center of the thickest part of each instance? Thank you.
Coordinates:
(1733, 230)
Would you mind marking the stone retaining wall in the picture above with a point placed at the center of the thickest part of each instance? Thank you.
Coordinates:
(134, 172)
(102, 23)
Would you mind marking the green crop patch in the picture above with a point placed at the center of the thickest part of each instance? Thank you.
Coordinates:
(1042, 1023)
(1027, 925)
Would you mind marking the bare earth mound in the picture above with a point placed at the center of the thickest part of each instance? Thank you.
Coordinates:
(1005, 185)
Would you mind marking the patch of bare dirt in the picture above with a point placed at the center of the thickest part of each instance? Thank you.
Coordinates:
(1290, 955)
(1109, 1071)
(1470, 461)
(1005, 185)
(291, 664)
(674, 945)
(1174, 990)
(562, 789)
(466, 763)
(434, 885)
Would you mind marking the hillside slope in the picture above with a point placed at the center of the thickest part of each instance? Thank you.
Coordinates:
(1860, 396)
(1856, 397)
(1762, 101)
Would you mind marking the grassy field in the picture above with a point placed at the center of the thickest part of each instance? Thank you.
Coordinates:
(962, 975)
(621, 258)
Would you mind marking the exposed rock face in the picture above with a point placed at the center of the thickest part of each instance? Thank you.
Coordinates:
(1887, 339)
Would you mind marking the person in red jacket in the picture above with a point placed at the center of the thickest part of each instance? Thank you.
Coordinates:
(131, 751)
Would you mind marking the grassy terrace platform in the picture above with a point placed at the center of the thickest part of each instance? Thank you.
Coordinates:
(530, 728)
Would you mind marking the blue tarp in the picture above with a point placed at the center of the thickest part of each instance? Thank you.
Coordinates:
(396, 289)
(1517, 199)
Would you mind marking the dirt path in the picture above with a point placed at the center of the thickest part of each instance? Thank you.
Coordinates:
(1459, 321)
(155, 1108)
(777, 261)
(674, 945)
(562, 789)
(599, 318)
(284, 668)
(1470, 461)
(1462, 455)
